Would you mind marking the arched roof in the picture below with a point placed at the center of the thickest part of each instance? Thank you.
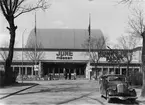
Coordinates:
(62, 38)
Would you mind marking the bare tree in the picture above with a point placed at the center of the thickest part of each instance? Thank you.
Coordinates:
(35, 52)
(137, 25)
(128, 42)
(11, 9)
(32, 55)
(95, 43)
(126, 1)
(4, 52)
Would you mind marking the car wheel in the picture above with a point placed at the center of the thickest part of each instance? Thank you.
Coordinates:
(109, 100)
(106, 95)
(132, 100)
(102, 96)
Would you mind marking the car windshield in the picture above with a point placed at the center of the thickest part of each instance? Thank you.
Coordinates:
(116, 78)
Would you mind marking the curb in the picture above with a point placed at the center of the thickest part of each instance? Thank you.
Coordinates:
(18, 91)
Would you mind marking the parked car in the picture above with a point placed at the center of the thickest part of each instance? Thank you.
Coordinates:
(116, 87)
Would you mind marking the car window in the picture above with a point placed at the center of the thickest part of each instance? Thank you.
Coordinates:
(116, 78)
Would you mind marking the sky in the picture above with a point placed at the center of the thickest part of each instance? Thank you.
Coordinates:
(107, 15)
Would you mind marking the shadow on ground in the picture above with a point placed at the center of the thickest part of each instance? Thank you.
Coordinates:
(70, 89)
(73, 99)
(19, 85)
(68, 83)
(97, 100)
(124, 102)
(58, 89)
(29, 85)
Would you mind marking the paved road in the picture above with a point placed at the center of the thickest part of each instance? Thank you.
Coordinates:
(66, 92)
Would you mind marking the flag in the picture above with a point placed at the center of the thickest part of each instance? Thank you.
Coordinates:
(35, 25)
(89, 31)
(89, 28)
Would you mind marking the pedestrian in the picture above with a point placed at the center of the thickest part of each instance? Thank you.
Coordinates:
(75, 75)
(65, 73)
(69, 75)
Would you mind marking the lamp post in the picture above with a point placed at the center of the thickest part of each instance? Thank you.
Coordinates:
(22, 52)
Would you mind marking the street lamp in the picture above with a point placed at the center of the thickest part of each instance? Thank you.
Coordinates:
(22, 52)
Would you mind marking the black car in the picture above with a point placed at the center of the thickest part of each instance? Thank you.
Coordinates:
(116, 86)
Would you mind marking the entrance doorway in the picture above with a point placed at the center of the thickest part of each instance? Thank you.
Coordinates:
(56, 70)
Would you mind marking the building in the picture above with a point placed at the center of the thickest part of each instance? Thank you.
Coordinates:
(60, 51)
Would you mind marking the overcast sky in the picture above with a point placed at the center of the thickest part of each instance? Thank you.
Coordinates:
(106, 15)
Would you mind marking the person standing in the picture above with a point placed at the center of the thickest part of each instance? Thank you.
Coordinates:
(65, 73)
(75, 75)
(69, 74)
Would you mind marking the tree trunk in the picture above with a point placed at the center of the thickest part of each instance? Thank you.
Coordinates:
(96, 77)
(8, 71)
(143, 67)
(127, 72)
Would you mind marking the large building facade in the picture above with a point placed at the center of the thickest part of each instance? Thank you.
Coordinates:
(57, 51)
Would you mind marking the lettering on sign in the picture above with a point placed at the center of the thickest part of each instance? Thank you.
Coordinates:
(64, 55)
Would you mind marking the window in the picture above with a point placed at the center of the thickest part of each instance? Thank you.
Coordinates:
(130, 71)
(123, 71)
(24, 70)
(61, 70)
(56, 70)
(105, 70)
(111, 70)
(29, 71)
(117, 71)
(136, 70)
(16, 69)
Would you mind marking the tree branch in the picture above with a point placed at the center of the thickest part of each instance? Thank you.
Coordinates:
(41, 5)
(2, 8)
(15, 5)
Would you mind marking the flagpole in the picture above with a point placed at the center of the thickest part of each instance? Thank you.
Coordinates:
(89, 37)
(89, 30)
(35, 43)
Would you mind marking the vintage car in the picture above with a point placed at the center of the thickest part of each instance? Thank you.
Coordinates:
(116, 86)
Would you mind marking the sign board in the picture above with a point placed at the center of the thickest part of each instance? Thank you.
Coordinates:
(64, 55)
(36, 67)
